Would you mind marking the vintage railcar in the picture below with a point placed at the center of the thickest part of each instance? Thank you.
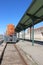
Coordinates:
(10, 35)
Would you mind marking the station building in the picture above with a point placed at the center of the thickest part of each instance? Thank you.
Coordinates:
(38, 34)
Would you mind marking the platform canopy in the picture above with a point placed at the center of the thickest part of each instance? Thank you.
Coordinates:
(32, 16)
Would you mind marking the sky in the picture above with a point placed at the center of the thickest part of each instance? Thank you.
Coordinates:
(11, 12)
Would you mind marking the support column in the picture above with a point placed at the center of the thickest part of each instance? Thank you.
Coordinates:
(33, 34)
(18, 35)
(24, 34)
(30, 33)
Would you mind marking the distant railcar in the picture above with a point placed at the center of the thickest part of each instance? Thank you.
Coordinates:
(10, 35)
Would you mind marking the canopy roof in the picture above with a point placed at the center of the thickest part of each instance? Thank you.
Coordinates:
(33, 15)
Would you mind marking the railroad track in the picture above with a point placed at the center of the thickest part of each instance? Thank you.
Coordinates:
(12, 56)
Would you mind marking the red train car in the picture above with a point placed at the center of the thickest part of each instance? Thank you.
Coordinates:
(10, 33)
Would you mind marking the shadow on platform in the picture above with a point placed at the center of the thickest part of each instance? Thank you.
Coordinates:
(35, 41)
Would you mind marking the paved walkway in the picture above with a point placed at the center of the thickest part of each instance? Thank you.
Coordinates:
(35, 53)
(11, 56)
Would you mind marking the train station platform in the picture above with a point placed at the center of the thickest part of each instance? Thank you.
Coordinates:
(34, 53)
